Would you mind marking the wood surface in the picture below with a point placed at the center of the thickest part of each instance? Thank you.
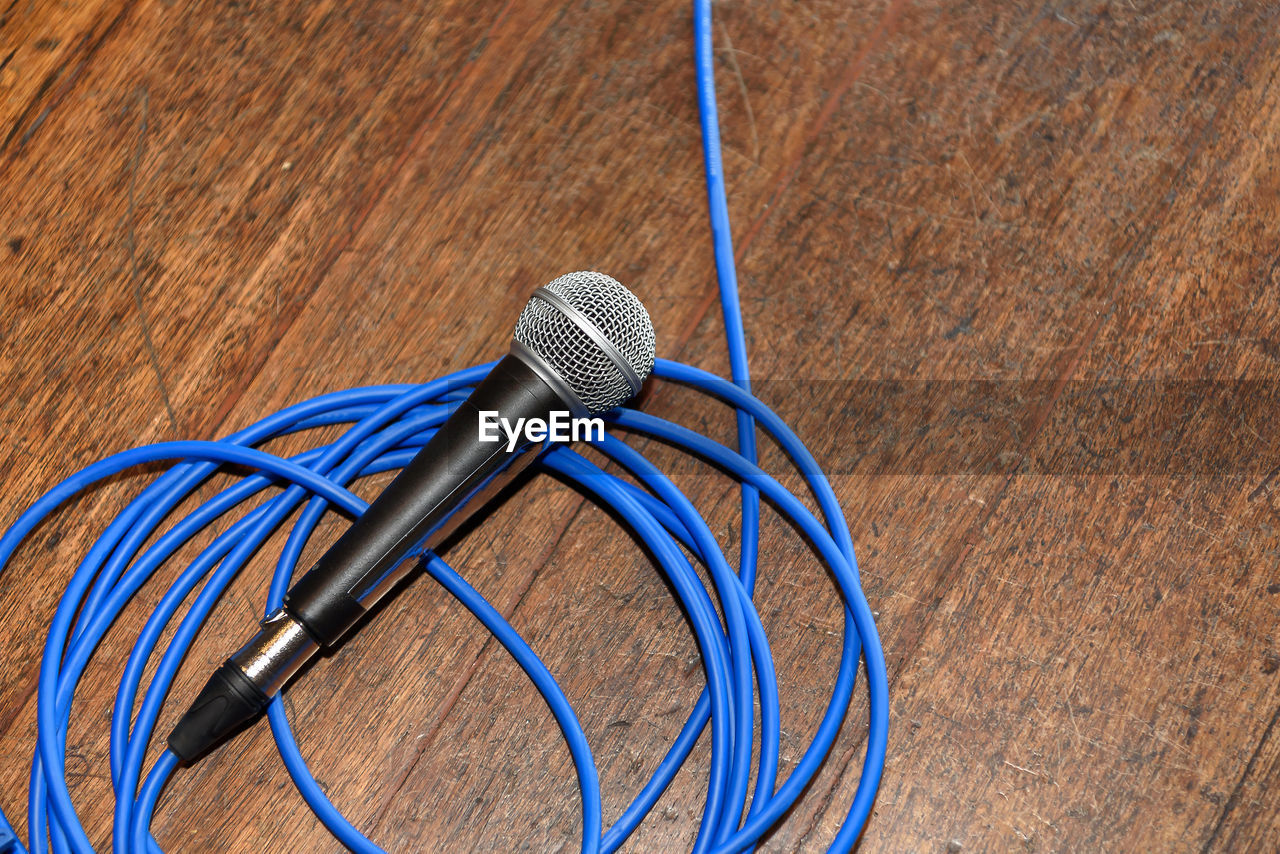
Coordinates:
(209, 211)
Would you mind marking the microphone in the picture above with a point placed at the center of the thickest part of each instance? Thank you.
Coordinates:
(583, 343)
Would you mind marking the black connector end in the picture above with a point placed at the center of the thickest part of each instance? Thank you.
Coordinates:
(227, 701)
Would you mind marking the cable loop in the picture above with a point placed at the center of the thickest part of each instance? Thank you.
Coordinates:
(387, 426)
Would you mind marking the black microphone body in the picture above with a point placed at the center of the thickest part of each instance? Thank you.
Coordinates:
(446, 482)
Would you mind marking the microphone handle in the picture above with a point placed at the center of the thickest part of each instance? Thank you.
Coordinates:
(449, 479)
(453, 476)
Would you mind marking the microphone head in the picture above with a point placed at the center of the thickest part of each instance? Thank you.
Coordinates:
(592, 334)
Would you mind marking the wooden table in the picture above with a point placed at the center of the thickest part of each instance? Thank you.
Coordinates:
(209, 212)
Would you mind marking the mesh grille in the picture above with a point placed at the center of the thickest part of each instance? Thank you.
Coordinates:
(615, 313)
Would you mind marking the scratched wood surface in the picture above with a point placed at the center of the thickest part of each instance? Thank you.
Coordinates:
(209, 212)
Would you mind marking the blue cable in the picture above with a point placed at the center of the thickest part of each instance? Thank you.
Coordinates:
(8, 840)
(387, 426)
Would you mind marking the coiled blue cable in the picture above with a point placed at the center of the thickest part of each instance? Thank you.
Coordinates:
(388, 425)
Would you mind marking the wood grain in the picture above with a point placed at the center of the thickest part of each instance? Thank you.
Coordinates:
(210, 212)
